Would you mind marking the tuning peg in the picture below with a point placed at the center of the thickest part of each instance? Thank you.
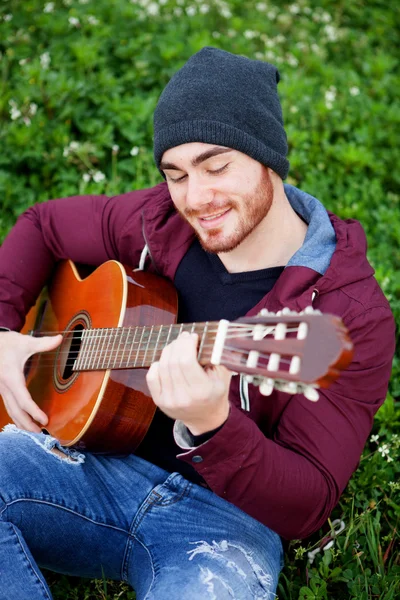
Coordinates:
(311, 393)
(267, 387)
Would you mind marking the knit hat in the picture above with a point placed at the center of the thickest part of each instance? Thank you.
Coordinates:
(224, 99)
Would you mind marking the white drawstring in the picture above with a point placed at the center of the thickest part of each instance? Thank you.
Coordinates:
(143, 257)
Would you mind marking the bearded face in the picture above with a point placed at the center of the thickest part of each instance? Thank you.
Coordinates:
(222, 193)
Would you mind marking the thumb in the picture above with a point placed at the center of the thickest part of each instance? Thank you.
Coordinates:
(45, 343)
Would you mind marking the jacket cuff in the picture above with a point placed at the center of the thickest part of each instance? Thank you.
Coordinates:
(228, 444)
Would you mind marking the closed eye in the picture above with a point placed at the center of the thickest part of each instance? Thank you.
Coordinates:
(177, 180)
(218, 171)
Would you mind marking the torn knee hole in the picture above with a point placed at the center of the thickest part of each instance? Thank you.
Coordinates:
(62, 454)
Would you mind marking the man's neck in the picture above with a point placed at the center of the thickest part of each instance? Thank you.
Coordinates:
(272, 243)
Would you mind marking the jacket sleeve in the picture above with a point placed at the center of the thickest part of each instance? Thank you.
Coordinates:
(292, 481)
(85, 229)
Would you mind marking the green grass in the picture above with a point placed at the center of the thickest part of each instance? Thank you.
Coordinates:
(78, 85)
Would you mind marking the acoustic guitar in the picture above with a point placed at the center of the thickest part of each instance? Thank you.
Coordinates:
(116, 322)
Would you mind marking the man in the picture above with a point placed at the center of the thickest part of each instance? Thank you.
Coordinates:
(224, 473)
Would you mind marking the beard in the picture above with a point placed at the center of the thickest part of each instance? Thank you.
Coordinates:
(250, 211)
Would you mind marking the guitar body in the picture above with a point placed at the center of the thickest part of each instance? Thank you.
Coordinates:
(98, 410)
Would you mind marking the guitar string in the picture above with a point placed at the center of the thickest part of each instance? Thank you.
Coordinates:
(145, 345)
(131, 329)
(238, 360)
(118, 354)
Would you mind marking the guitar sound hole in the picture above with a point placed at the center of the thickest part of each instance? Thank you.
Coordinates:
(74, 343)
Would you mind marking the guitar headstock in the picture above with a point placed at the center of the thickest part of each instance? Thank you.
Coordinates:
(293, 352)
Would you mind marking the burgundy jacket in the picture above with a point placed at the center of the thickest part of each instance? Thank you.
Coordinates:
(283, 459)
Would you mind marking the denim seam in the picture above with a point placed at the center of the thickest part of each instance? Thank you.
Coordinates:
(55, 505)
(38, 580)
(146, 505)
(152, 567)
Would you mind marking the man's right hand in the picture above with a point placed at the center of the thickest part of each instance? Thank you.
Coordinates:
(15, 349)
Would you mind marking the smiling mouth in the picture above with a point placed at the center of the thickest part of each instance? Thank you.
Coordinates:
(215, 216)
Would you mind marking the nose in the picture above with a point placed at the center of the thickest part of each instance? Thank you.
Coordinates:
(198, 193)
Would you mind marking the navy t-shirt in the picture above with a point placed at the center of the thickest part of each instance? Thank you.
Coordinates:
(206, 292)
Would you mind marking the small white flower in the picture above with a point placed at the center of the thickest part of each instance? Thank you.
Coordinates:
(74, 146)
(292, 61)
(15, 113)
(98, 176)
(280, 38)
(225, 12)
(294, 109)
(86, 177)
(49, 7)
(27, 121)
(389, 459)
(250, 35)
(216, 34)
(134, 151)
(7, 18)
(294, 9)
(331, 33)
(74, 21)
(326, 17)
(93, 20)
(330, 95)
(178, 11)
(271, 15)
(374, 438)
(354, 91)
(84, 1)
(162, 2)
(45, 60)
(307, 10)
(191, 11)
(204, 9)
(153, 9)
(115, 148)
(33, 109)
(23, 61)
(384, 450)
(261, 6)
(270, 43)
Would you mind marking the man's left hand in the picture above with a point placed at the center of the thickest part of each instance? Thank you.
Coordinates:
(183, 390)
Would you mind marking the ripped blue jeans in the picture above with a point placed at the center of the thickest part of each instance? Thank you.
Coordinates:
(123, 518)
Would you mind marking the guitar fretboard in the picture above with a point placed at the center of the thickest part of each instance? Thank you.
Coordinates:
(135, 347)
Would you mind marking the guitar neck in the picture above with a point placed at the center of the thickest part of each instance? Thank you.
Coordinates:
(136, 347)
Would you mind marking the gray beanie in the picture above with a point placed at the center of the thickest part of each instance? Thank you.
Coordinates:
(224, 99)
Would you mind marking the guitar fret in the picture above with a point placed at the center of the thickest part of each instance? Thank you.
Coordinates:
(131, 348)
(78, 362)
(96, 350)
(103, 338)
(118, 338)
(147, 345)
(105, 354)
(110, 356)
(89, 349)
(140, 342)
(203, 338)
(156, 344)
(127, 332)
